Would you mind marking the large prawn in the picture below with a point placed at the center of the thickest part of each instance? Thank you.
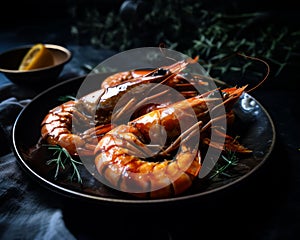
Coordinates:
(90, 116)
(133, 158)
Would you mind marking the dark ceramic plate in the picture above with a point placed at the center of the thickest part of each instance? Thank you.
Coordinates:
(253, 126)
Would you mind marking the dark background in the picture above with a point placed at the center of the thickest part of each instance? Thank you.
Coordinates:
(46, 19)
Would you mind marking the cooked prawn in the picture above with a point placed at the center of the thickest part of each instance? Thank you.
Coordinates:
(153, 155)
(77, 125)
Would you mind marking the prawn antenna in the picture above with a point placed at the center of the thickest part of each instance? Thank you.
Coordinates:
(162, 48)
(260, 60)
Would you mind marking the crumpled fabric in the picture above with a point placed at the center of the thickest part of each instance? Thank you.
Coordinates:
(35, 213)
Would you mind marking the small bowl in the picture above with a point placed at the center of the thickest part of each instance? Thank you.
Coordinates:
(37, 78)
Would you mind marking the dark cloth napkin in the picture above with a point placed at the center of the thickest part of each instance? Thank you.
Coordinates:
(34, 212)
(31, 215)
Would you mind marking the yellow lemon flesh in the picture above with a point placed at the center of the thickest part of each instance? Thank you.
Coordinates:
(38, 56)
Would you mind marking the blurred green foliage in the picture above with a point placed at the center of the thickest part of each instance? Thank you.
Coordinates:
(188, 27)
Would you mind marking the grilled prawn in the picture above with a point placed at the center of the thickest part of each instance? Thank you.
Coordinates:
(78, 124)
(155, 155)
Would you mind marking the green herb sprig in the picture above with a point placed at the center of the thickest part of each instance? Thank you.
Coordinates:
(61, 157)
(224, 164)
(66, 98)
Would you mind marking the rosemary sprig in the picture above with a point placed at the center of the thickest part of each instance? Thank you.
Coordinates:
(66, 98)
(226, 162)
(61, 157)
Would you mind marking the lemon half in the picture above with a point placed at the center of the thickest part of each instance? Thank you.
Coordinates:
(38, 56)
